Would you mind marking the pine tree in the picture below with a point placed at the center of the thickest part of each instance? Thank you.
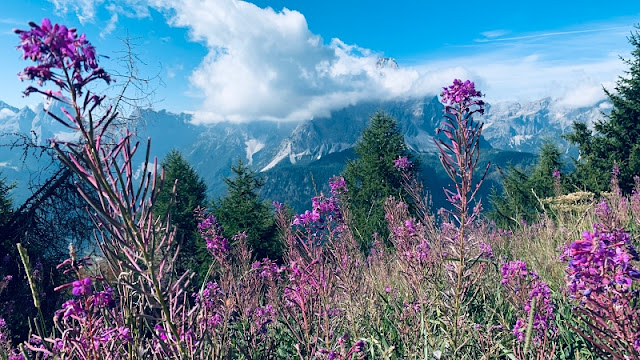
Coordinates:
(190, 193)
(615, 140)
(242, 211)
(372, 177)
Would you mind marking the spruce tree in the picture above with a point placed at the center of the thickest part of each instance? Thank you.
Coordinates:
(615, 140)
(190, 193)
(541, 178)
(521, 191)
(371, 178)
(241, 210)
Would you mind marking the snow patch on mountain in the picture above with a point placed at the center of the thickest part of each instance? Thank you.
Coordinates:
(285, 151)
(295, 157)
(518, 139)
(66, 136)
(253, 146)
(5, 113)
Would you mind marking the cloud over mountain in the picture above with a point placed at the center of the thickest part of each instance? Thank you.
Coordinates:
(264, 64)
(267, 65)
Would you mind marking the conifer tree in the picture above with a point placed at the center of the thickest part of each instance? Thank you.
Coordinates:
(241, 210)
(542, 178)
(5, 200)
(615, 140)
(372, 177)
(6, 209)
(521, 191)
(190, 193)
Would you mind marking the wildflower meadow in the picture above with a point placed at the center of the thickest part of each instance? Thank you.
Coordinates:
(446, 284)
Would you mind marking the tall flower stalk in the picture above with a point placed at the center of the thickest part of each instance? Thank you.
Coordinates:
(139, 249)
(459, 154)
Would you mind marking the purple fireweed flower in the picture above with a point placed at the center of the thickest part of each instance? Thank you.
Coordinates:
(515, 269)
(82, 287)
(402, 163)
(15, 355)
(603, 210)
(462, 93)
(324, 205)
(278, 206)
(556, 174)
(160, 331)
(103, 298)
(240, 237)
(331, 355)
(486, 250)
(71, 308)
(267, 269)
(600, 273)
(411, 228)
(123, 334)
(307, 217)
(615, 171)
(324, 219)
(518, 330)
(210, 299)
(263, 315)
(207, 223)
(601, 262)
(54, 46)
(217, 244)
(359, 346)
(338, 185)
(523, 286)
(211, 231)
(324, 210)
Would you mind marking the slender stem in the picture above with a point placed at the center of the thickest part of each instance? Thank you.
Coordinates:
(527, 339)
(461, 135)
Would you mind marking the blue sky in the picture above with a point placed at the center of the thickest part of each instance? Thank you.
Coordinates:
(293, 60)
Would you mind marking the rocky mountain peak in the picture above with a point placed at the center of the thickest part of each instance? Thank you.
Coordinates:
(386, 63)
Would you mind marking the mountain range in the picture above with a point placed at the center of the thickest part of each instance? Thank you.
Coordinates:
(296, 159)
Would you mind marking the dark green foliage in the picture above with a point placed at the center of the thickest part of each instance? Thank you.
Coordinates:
(522, 191)
(541, 177)
(6, 203)
(6, 211)
(242, 211)
(53, 216)
(615, 140)
(371, 178)
(190, 194)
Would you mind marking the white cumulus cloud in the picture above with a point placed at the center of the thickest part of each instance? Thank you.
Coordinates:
(84, 9)
(267, 64)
